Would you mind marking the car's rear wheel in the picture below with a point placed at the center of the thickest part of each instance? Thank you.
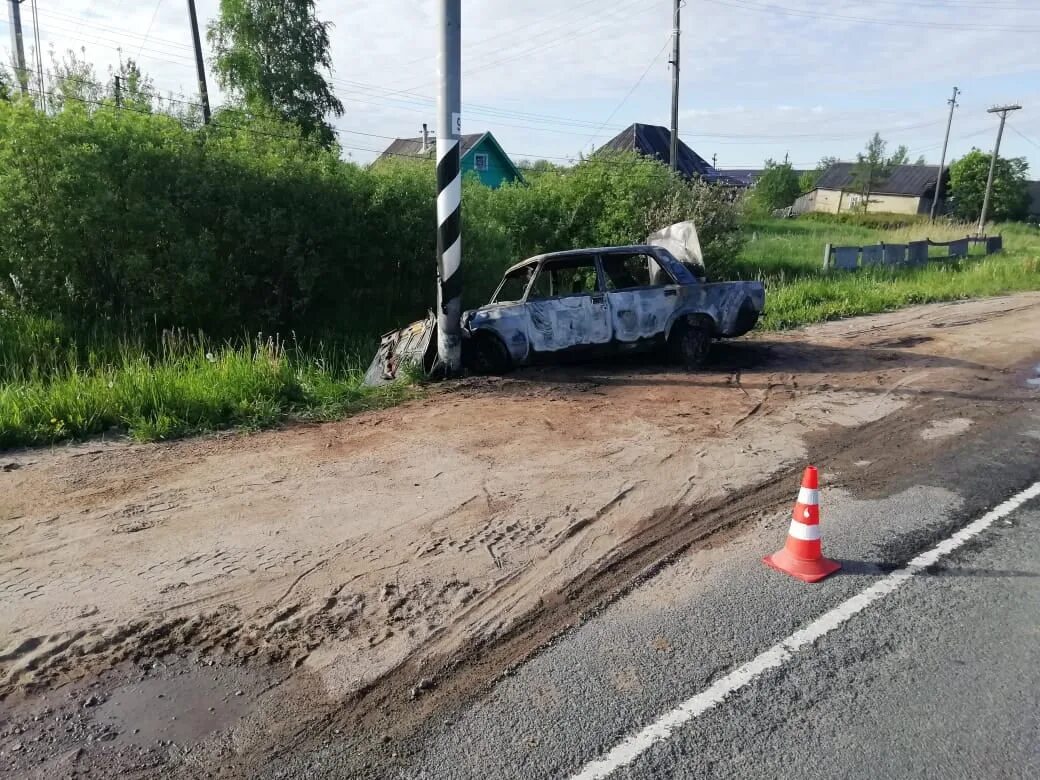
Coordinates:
(690, 342)
(488, 355)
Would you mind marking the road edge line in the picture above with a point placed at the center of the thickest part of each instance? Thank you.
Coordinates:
(629, 749)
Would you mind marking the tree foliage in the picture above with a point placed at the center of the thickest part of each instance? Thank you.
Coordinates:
(273, 54)
(72, 79)
(136, 89)
(968, 175)
(113, 218)
(807, 181)
(873, 166)
(776, 188)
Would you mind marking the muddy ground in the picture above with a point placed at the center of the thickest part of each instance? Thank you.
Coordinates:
(195, 608)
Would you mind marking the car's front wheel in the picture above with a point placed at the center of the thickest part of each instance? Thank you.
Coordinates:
(488, 355)
(690, 342)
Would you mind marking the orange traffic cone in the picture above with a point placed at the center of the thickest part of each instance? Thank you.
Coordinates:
(802, 556)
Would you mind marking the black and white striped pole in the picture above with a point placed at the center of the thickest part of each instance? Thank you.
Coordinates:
(449, 189)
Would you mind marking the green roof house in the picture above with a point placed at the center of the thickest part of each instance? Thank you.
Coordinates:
(481, 155)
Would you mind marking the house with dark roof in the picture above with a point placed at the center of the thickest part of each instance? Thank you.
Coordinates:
(749, 176)
(909, 189)
(656, 142)
(1034, 200)
(481, 154)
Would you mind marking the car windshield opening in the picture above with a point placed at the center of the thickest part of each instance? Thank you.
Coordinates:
(514, 285)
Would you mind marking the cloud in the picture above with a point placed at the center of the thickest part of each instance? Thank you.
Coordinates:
(545, 76)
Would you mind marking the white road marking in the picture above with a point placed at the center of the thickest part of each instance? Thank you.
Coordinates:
(632, 747)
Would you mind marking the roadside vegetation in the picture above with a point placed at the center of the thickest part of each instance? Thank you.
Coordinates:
(788, 256)
(160, 277)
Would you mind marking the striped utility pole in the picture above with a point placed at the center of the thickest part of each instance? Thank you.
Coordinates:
(449, 190)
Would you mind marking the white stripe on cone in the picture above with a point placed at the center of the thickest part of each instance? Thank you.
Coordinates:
(807, 533)
(808, 496)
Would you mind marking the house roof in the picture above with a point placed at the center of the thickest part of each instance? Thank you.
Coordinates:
(655, 141)
(1034, 194)
(749, 176)
(910, 180)
(412, 147)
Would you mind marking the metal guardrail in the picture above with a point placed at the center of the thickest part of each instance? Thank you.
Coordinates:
(913, 254)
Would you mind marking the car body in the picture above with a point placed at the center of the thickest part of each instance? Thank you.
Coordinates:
(602, 300)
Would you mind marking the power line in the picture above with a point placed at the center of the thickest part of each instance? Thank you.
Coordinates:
(1023, 136)
(784, 10)
(148, 31)
(628, 94)
(80, 23)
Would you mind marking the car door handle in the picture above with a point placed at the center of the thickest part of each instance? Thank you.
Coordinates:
(669, 292)
(598, 299)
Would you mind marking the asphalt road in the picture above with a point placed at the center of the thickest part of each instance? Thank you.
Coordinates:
(940, 678)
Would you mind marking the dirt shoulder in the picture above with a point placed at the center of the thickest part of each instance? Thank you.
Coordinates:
(388, 563)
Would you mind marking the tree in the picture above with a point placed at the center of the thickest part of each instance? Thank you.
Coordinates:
(873, 167)
(136, 89)
(776, 188)
(72, 80)
(5, 83)
(807, 181)
(272, 54)
(1010, 197)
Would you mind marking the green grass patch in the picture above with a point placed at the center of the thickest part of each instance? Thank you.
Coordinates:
(187, 386)
(788, 256)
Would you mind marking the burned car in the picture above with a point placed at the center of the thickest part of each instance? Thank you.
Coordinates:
(593, 301)
(606, 300)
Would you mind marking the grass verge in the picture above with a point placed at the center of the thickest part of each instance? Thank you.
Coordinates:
(187, 387)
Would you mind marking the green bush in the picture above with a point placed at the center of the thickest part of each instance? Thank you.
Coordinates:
(116, 220)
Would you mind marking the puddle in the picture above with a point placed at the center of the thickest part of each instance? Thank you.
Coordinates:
(182, 708)
(940, 429)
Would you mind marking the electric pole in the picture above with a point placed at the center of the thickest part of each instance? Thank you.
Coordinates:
(674, 150)
(449, 188)
(17, 46)
(1003, 111)
(942, 160)
(118, 92)
(715, 161)
(199, 65)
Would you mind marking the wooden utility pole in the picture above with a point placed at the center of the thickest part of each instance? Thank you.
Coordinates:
(14, 12)
(449, 188)
(674, 149)
(200, 67)
(1003, 111)
(942, 160)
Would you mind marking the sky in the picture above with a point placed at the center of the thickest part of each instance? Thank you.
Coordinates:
(554, 79)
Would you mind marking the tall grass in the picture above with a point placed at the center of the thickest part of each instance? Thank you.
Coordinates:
(50, 391)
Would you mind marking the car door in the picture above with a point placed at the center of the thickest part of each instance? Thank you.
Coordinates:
(641, 295)
(566, 306)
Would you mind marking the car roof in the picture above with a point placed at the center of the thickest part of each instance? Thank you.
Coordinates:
(599, 250)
